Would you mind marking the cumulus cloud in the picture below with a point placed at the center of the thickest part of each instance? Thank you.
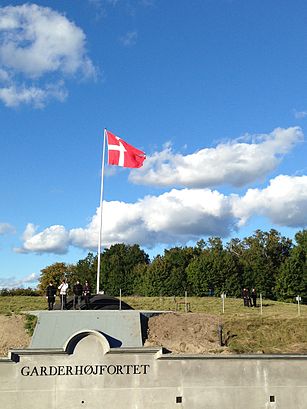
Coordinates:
(54, 239)
(13, 96)
(235, 163)
(175, 216)
(13, 282)
(179, 216)
(284, 202)
(6, 228)
(38, 44)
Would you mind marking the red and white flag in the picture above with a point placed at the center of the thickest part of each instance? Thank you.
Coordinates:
(120, 153)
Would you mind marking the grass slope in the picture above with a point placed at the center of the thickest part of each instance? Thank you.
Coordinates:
(275, 329)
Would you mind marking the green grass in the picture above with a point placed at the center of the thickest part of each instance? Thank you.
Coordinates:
(30, 323)
(211, 305)
(275, 329)
(278, 329)
(266, 335)
(17, 304)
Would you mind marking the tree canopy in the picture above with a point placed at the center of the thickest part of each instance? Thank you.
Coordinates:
(267, 261)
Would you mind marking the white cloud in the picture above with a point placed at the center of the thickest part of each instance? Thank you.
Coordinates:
(129, 39)
(284, 202)
(29, 231)
(179, 216)
(6, 228)
(4, 76)
(54, 239)
(13, 282)
(176, 216)
(236, 163)
(37, 44)
(300, 114)
(101, 7)
(13, 96)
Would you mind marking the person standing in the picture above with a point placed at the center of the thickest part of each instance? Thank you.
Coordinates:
(63, 287)
(77, 289)
(254, 297)
(245, 297)
(249, 300)
(87, 294)
(50, 295)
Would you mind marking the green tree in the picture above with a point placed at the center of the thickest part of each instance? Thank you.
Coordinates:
(215, 269)
(141, 281)
(55, 273)
(167, 274)
(117, 268)
(86, 270)
(261, 256)
(292, 278)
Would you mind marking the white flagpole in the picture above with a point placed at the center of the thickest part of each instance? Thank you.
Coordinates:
(100, 210)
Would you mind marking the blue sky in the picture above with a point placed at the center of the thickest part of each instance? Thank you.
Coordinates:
(214, 91)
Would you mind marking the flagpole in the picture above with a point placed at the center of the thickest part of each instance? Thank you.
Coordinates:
(100, 210)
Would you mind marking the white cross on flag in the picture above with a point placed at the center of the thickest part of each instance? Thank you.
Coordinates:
(120, 153)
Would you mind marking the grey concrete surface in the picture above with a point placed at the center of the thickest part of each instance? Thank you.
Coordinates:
(88, 373)
(122, 328)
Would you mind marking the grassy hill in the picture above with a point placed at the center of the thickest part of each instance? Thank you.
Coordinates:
(276, 328)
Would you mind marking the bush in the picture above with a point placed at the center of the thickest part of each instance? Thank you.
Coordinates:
(30, 323)
(19, 291)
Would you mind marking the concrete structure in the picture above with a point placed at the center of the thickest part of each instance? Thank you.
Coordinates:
(88, 373)
(121, 328)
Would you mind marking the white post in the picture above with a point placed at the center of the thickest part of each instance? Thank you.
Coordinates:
(100, 210)
(261, 304)
(120, 298)
(298, 299)
(223, 296)
(186, 301)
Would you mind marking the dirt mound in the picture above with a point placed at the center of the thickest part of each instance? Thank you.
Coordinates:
(193, 333)
(12, 333)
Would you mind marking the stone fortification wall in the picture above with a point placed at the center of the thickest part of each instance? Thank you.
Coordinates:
(87, 373)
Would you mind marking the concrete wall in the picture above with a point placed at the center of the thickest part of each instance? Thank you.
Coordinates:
(121, 328)
(87, 373)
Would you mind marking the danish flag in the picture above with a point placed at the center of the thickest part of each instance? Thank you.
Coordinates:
(120, 153)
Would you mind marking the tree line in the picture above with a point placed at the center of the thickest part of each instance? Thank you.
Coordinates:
(273, 264)
(16, 292)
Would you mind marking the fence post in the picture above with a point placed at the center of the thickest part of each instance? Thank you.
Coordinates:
(120, 298)
(220, 332)
(298, 299)
(261, 304)
(186, 301)
(223, 296)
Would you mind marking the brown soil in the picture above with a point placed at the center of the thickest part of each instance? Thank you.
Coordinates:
(12, 333)
(193, 333)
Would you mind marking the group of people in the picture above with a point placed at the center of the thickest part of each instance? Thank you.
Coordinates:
(79, 292)
(249, 299)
